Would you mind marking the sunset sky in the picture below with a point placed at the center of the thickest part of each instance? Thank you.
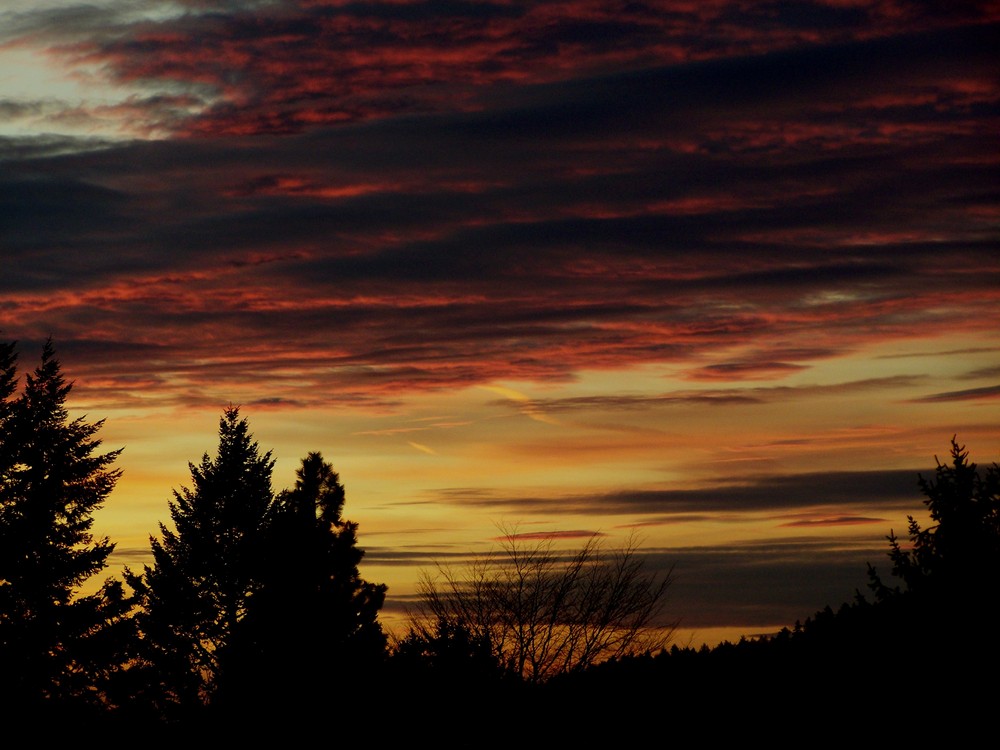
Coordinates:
(721, 274)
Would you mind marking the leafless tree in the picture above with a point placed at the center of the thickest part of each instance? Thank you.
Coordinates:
(544, 612)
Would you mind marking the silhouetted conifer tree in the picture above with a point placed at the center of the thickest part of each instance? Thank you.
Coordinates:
(950, 572)
(312, 629)
(447, 654)
(254, 603)
(58, 648)
(959, 553)
(207, 568)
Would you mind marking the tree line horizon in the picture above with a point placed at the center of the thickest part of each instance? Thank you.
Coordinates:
(254, 601)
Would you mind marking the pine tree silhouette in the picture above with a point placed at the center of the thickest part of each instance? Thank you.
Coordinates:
(58, 647)
(206, 569)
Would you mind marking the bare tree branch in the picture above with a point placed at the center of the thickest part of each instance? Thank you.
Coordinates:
(544, 613)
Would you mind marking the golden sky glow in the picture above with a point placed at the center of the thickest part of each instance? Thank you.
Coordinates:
(723, 275)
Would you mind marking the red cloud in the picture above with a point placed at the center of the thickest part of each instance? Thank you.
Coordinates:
(546, 535)
(834, 521)
(284, 67)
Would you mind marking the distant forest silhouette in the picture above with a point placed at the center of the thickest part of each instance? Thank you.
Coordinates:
(253, 621)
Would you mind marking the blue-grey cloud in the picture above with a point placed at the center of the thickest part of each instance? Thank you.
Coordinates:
(966, 394)
(888, 489)
(764, 584)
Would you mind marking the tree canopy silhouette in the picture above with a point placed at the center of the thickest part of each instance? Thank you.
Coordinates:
(925, 652)
(959, 553)
(206, 569)
(949, 570)
(313, 565)
(254, 601)
(312, 627)
(58, 647)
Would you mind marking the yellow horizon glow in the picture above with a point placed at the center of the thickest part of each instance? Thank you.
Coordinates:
(395, 462)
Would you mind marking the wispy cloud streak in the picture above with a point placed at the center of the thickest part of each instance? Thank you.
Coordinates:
(886, 489)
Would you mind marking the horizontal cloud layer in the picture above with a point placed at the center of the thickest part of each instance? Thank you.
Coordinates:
(310, 204)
